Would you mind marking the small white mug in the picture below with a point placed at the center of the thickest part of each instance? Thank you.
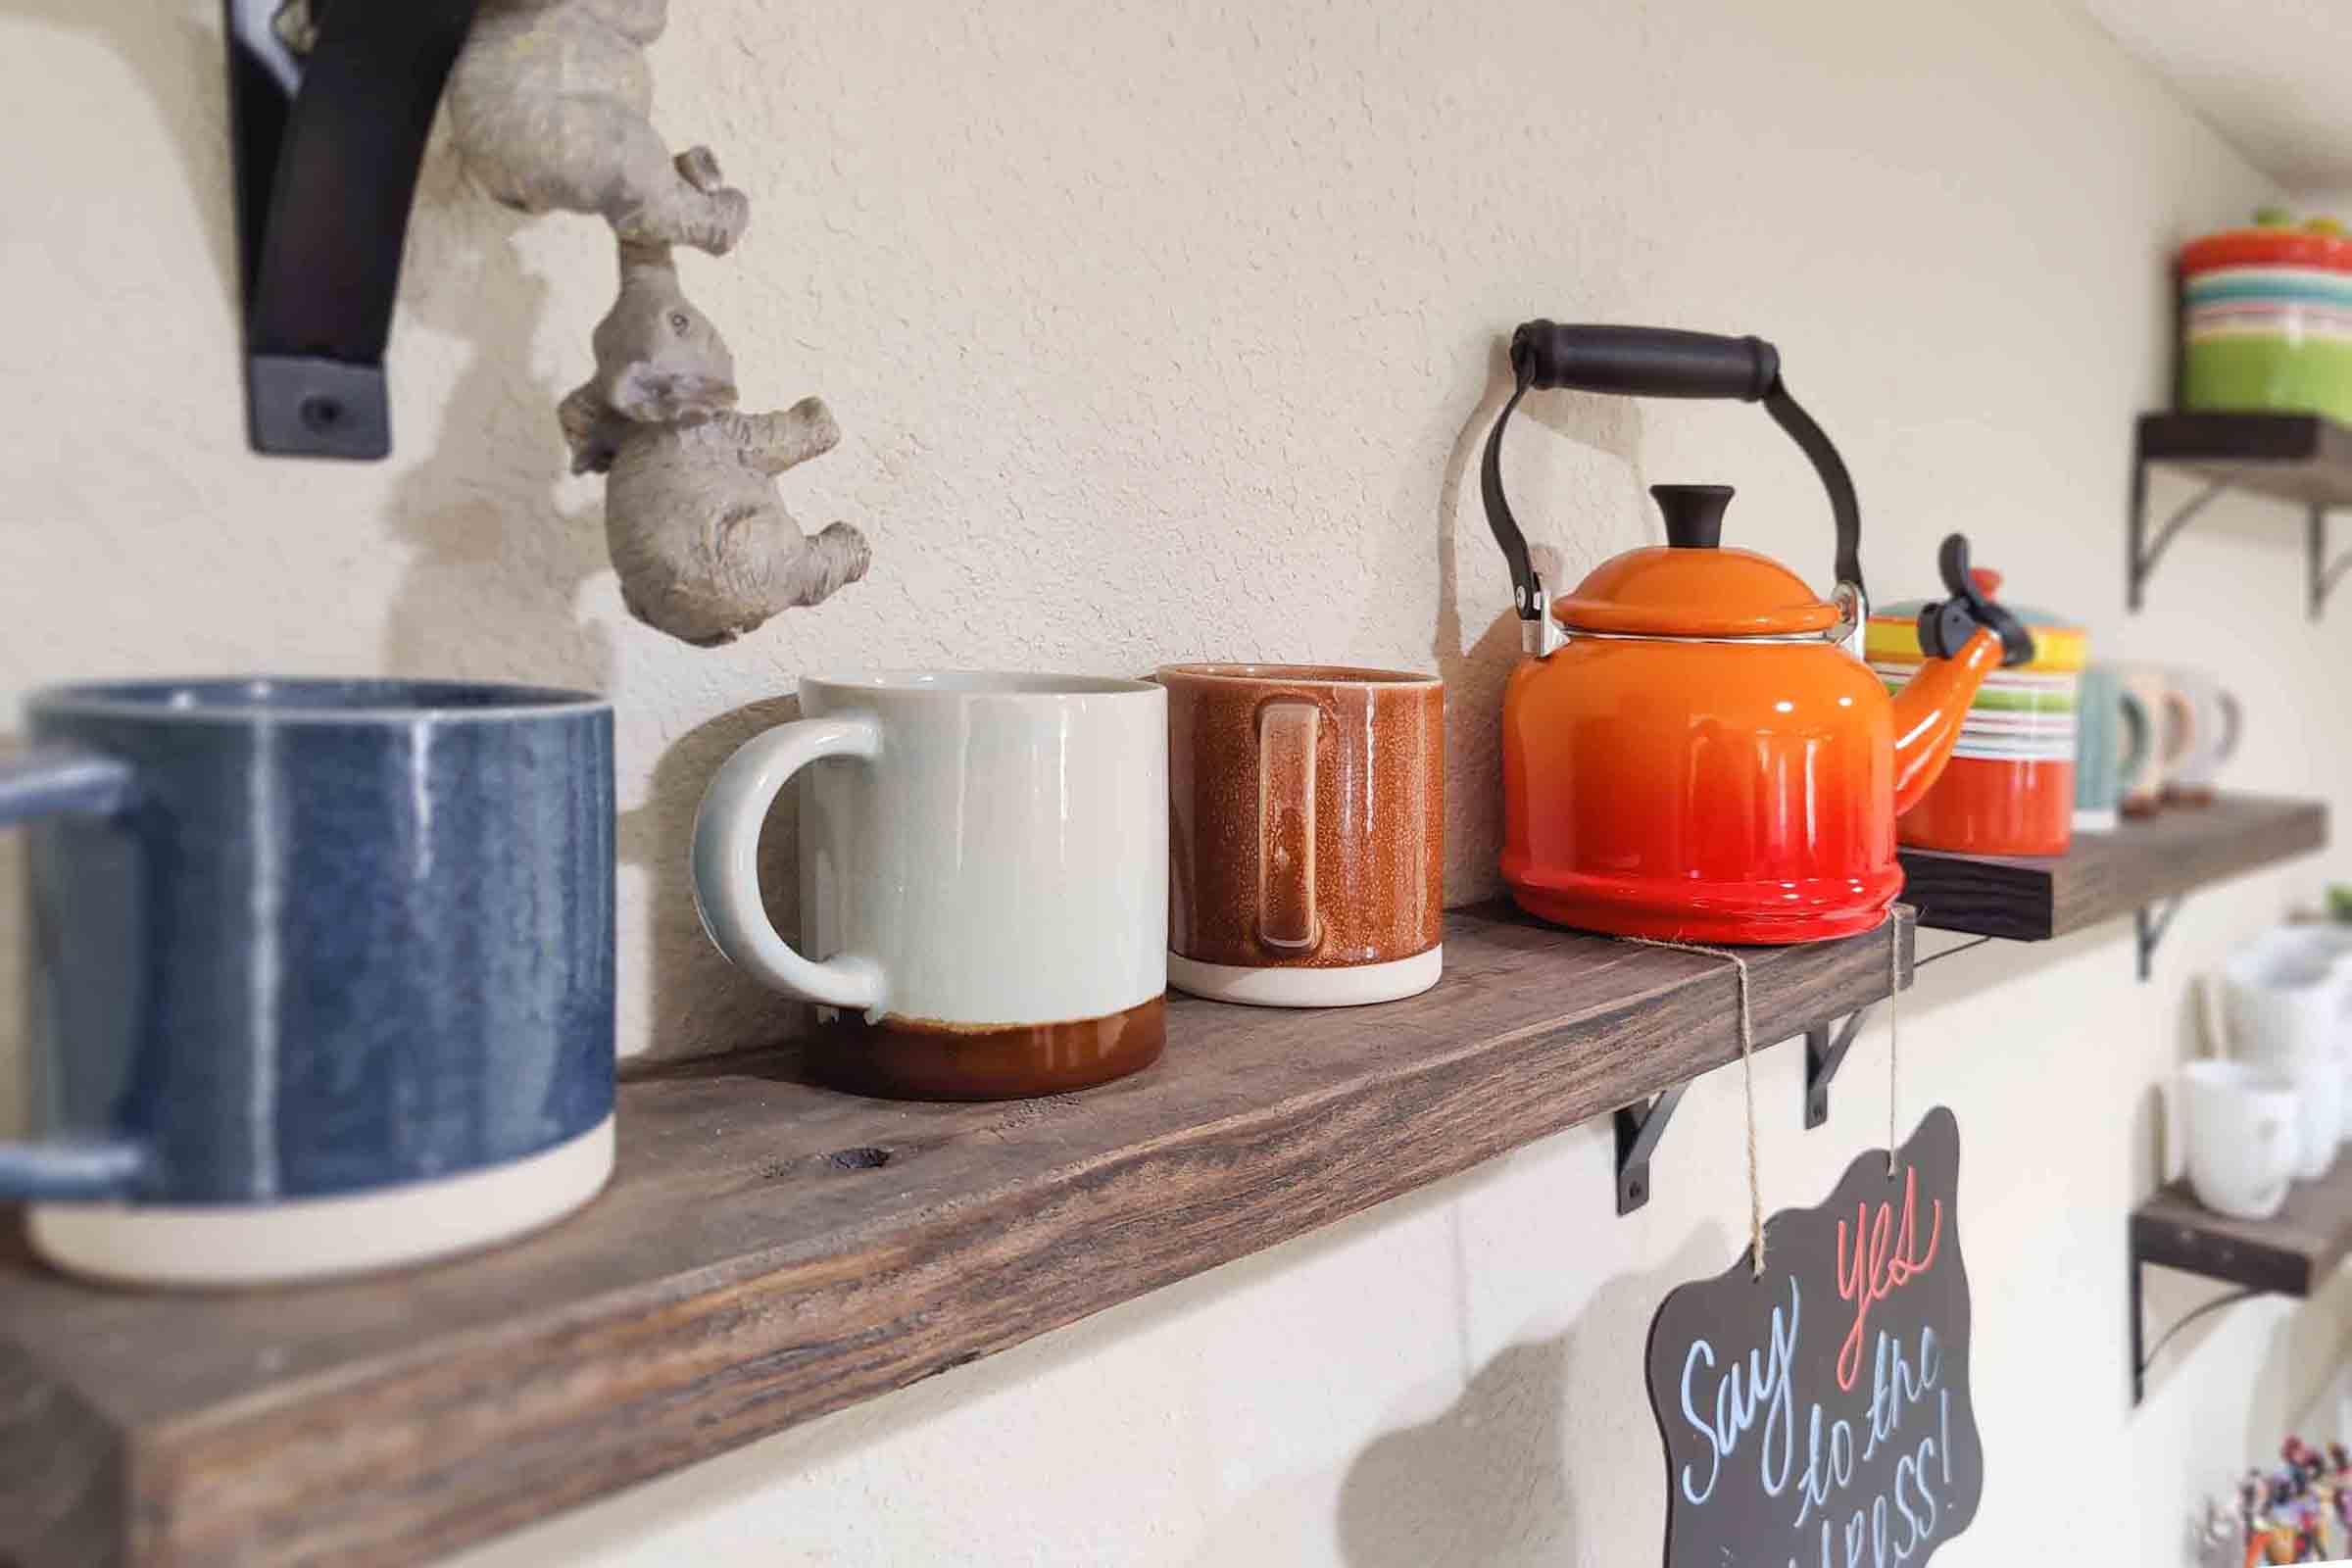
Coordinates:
(2333, 944)
(2242, 1140)
(2285, 1000)
(984, 877)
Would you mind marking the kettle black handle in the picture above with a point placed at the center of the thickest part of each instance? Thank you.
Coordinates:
(1661, 362)
(1644, 362)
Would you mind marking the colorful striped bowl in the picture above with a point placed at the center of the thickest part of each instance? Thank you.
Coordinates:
(2266, 321)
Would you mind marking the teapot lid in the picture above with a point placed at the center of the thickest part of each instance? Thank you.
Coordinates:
(1692, 586)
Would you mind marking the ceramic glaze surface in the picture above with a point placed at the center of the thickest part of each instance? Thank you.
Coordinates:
(2009, 788)
(2285, 998)
(1717, 792)
(331, 937)
(2114, 740)
(979, 852)
(1307, 818)
(2242, 1142)
(2267, 322)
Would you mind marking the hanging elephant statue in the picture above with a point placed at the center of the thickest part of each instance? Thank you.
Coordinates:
(550, 101)
(697, 529)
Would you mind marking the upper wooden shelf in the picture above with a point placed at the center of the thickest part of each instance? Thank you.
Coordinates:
(2029, 898)
(2295, 456)
(769, 1251)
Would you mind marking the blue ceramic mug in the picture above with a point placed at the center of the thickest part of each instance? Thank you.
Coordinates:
(2113, 747)
(322, 974)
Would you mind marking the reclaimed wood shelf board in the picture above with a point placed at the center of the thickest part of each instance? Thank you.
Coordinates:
(2290, 1253)
(2147, 860)
(769, 1251)
(2294, 457)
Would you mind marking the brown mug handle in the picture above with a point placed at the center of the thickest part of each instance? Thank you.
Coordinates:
(1286, 824)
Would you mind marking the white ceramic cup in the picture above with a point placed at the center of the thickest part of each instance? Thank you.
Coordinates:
(2285, 1002)
(2242, 1142)
(2333, 944)
(984, 863)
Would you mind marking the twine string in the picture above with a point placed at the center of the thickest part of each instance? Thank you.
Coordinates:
(1747, 1060)
(1894, 1029)
(1747, 1084)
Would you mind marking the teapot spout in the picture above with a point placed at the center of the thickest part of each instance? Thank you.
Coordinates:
(1928, 711)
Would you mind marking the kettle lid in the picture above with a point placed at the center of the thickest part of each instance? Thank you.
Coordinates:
(1693, 586)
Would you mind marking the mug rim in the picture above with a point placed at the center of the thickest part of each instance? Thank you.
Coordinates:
(1335, 677)
(373, 699)
(1049, 686)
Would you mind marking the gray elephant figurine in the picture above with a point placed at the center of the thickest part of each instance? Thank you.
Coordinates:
(548, 103)
(698, 532)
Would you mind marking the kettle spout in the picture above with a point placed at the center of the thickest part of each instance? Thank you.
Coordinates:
(1928, 711)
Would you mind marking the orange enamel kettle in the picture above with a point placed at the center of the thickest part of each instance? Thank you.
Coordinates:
(1693, 748)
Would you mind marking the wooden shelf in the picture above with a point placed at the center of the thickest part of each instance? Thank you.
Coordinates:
(2290, 1253)
(2302, 457)
(2293, 456)
(2031, 899)
(770, 1252)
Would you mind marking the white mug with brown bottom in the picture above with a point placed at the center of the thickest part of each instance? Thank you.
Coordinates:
(983, 877)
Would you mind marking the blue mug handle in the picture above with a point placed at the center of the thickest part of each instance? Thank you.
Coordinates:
(60, 781)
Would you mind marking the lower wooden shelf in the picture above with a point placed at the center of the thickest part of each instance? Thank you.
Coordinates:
(2287, 1254)
(2290, 1253)
(769, 1251)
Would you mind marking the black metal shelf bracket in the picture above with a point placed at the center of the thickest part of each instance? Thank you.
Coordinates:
(328, 123)
(1638, 1129)
(2144, 550)
(2143, 1355)
(2148, 929)
(1825, 1053)
(2325, 575)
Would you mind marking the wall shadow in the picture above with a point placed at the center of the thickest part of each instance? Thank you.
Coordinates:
(1476, 657)
(693, 992)
(1486, 1480)
(492, 552)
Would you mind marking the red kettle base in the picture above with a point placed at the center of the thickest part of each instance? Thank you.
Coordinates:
(1752, 913)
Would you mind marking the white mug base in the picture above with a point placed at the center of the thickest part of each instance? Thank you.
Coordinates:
(2096, 821)
(1280, 986)
(217, 1244)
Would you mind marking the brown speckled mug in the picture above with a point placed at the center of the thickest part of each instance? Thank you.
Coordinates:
(1306, 833)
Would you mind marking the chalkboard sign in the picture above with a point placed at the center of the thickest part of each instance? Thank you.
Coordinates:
(1819, 1417)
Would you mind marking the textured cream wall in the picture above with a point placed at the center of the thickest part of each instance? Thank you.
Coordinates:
(1164, 332)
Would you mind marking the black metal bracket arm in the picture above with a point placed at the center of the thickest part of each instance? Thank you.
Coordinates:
(2143, 1355)
(1638, 1129)
(2325, 575)
(2147, 552)
(2148, 930)
(327, 132)
(1825, 1053)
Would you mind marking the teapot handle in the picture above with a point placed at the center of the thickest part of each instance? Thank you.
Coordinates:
(1658, 361)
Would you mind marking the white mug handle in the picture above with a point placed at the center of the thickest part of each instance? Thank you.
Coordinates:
(726, 860)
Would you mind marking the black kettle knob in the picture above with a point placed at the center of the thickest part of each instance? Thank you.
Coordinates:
(1693, 513)
(1946, 626)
